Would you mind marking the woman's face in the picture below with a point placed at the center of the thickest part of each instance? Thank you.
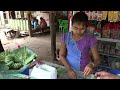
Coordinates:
(78, 28)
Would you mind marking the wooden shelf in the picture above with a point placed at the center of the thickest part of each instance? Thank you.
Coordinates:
(110, 55)
(108, 39)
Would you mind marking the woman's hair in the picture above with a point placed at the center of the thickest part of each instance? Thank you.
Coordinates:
(41, 18)
(80, 17)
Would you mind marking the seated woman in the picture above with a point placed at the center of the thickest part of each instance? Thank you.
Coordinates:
(42, 24)
(35, 23)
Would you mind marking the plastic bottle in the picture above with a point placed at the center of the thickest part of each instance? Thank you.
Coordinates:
(99, 25)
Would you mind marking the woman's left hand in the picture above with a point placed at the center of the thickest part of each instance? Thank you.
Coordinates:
(88, 70)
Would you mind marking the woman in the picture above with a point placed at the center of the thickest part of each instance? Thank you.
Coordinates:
(75, 48)
(43, 24)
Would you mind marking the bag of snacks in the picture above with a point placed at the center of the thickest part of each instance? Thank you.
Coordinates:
(110, 15)
(104, 61)
(104, 15)
(106, 33)
(119, 30)
(115, 16)
(117, 52)
(115, 31)
(115, 64)
(114, 34)
(117, 46)
(99, 17)
(112, 48)
(101, 46)
(107, 48)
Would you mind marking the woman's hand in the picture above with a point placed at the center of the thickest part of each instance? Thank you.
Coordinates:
(106, 75)
(88, 69)
(71, 74)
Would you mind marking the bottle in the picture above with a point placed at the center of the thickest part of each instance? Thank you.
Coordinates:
(99, 25)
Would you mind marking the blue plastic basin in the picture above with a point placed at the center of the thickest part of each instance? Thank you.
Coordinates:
(116, 71)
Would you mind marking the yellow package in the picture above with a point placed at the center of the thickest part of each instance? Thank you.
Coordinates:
(99, 16)
(115, 16)
(110, 15)
(104, 15)
(118, 15)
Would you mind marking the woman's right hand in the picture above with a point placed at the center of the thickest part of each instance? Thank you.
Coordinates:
(71, 74)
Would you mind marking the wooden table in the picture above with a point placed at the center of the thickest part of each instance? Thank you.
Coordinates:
(8, 31)
(62, 73)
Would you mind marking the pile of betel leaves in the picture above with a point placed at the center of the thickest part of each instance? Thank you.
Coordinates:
(14, 60)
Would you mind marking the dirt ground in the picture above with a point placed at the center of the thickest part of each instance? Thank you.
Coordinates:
(40, 44)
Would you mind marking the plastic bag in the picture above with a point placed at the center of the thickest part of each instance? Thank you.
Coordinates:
(43, 71)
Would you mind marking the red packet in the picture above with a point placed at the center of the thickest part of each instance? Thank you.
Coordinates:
(18, 46)
(115, 33)
(36, 62)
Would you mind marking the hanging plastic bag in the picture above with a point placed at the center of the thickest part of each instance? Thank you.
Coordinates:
(110, 16)
(116, 16)
(104, 15)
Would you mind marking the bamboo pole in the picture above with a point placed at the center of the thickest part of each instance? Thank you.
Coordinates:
(29, 24)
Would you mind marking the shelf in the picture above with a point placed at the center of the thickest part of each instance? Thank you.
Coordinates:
(108, 39)
(110, 55)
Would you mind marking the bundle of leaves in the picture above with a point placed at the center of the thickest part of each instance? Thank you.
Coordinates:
(15, 60)
(3, 55)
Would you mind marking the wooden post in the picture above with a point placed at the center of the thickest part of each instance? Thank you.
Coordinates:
(53, 34)
(12, 15)
(22, 14)
(29, 24)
